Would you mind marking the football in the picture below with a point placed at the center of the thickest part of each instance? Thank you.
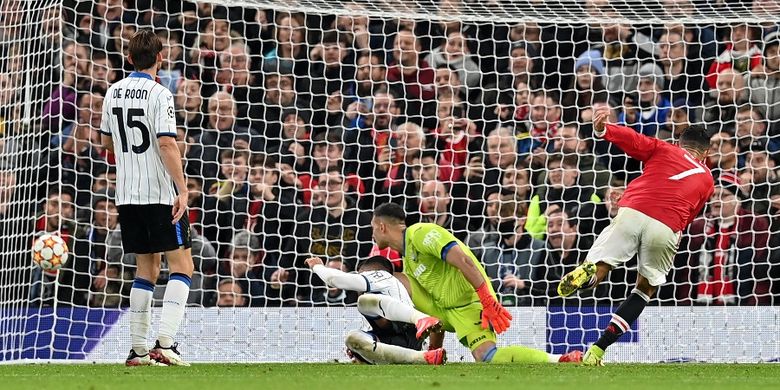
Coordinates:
(50, 252)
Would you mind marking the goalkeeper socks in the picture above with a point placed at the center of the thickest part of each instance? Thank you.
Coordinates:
(174, 302)
(372, 351)
(140, 314)
(625, 315)
(516, 354)
(387, 307)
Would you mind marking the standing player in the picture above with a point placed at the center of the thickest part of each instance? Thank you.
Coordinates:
(654, 209)
(139, 128)
(383, 340)
(447, 282)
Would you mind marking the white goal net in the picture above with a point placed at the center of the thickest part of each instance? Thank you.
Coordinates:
(298, 118)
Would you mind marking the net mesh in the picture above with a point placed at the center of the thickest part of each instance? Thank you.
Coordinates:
(298, 118)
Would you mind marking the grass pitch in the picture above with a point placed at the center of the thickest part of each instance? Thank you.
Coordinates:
(344, 376)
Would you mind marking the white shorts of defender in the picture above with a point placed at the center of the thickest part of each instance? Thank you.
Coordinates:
(632, 232)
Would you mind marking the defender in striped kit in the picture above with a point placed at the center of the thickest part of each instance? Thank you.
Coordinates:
(139, 127)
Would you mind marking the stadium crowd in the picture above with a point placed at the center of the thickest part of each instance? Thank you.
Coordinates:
(295, 126)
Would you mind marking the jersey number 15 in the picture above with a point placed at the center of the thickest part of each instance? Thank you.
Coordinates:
(132, 113)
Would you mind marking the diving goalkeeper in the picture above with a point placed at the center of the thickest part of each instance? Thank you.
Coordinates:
(447, 282)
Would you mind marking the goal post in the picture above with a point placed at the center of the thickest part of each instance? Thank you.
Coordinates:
(297, 118)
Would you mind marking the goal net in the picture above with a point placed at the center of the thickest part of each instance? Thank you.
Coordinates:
(298, 118)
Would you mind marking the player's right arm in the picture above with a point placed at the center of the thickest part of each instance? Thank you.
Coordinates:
(105, 130)
(169, 151)
(636, 145)
(337, 278)
(437, 241)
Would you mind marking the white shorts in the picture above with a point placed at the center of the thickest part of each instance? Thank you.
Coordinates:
(632, 232)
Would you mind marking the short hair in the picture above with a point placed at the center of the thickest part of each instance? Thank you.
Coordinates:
(144, 47)
(245, 240)
(333, 37)
(263, 160)
(726, 138)
(232, 153)
(390, 211)
(695, 137)
(378, 261)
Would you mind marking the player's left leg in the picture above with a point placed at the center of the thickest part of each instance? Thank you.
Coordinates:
(621, 321)
(482, 342)
(174, 240)
(368, 348)
(174, 302)
(656, 255)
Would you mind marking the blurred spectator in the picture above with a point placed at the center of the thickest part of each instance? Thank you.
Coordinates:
(231, 294)
(331, 69)
(564, 250)
(680, 118)
(453, 138)
(725, 253)
(334, 296)
(279, 96)
(543, 122)
(508, 254)
(61, 105)
(764, 82)
(235, 77)
(7, 195)
(412, 75)
(89, 113)
(648, 111)
(571, 143)
(741, 54)
(172, 70)
(214, 37)
(682, 75)
(334, 227)
(189, 106)
(522, 67)
(87, 267)
(455, 55)
(562, 189)
(723, 155)
(244, 264)
(223, 133)
(289, 55)
(272, 208)
(752, 127)
(227, 205)
(720, 108)
(435, 205)
(448, 84)
(587, 83)
(760, 180)
(409, 140)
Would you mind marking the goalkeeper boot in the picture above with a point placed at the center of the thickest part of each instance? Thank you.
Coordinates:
(134, 360)
(576, 279)
(427, 325)
(169, 356)
(574, 356)
(593, 357)
(436, 357)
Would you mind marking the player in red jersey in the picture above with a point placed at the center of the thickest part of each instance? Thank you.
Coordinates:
(674, 186)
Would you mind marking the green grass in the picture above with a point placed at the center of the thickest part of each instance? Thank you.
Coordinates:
(343, 377)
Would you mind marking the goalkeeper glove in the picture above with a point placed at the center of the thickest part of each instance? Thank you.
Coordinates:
(493, 313)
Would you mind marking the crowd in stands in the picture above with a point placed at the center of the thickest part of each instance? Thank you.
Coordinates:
(294, 126)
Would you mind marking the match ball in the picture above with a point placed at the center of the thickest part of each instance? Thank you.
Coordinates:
(50, 252)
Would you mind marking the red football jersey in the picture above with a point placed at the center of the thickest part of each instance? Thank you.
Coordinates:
(673, 186)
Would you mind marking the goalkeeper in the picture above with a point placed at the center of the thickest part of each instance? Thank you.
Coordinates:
(447, 282)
